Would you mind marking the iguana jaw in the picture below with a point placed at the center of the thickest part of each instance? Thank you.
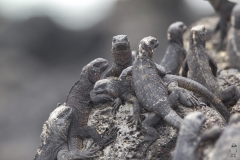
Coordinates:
(120, 43)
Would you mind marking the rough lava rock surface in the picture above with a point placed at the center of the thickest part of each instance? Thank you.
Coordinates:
(129, 136)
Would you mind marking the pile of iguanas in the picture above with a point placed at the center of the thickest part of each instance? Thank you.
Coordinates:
(158, 88)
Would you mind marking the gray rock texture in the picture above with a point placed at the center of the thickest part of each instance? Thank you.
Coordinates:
(128, 137)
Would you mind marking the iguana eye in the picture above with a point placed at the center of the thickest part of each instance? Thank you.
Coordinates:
(152, 42)
(60, 115)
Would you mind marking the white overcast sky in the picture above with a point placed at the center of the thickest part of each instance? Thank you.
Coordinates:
(75, 14)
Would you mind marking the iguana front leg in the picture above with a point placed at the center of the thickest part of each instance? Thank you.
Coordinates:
(101, 140)
(135, 119)
(182, 96)
(185, 68)
(116, 104)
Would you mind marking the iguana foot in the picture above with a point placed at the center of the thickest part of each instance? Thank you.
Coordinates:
(108, 137)
(190, 97)
(142, 148)
(134, 120)
(116, 104)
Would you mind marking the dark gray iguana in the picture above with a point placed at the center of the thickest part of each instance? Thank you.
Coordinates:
(121, 87)
(224, 9)
(224, 147)
(122, 56)
(79, 99)
(175, 54)
(150, 88)
(113, 88)
(233, 43)
(151, 91)
(199, 67)
(54, 137)
(190, 137)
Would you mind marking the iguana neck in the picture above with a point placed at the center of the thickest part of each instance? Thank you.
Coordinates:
(175, 39)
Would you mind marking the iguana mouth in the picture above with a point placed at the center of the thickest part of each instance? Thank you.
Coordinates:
(103, 66)
(99, 91)
(120, 46)
(101, 63)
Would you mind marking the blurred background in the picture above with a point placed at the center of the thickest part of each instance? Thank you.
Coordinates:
(45, 43)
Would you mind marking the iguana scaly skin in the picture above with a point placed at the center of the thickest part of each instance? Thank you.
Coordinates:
(79, 99)
(122, 56)
(122, 87)
(233, 43)
(187, 142)
(224, 9)
(54, 137)
(151, 90)
(175, 54)
(190, 137)
(113, 88)
(199, 67)
(200, 90)
(227, 145)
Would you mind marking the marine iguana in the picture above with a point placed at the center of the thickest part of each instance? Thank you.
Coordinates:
(54, 137)
(149, 84)
(175, 54)
(113, 87)
(224, 9)
(79, 99)
(199, 89)
(228, 139)
(122, 56)
(199, 67)
(151, 91)
(189, 139)
(233, 43)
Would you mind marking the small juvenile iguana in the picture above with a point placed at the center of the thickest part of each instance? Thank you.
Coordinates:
(79, 99)
(175, 54)
(122, 56)
(224, 9)
(233, 43)
(54, 137)
(199, 67)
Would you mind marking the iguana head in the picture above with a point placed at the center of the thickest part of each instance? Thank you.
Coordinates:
(235, 118)
(147, 46)
(94, 69)
(198, 35)
(193, 121)
(58, 123)
(106, 86)
(120, 43)
(175, 32)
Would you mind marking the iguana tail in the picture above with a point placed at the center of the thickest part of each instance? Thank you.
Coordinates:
(202, 91)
